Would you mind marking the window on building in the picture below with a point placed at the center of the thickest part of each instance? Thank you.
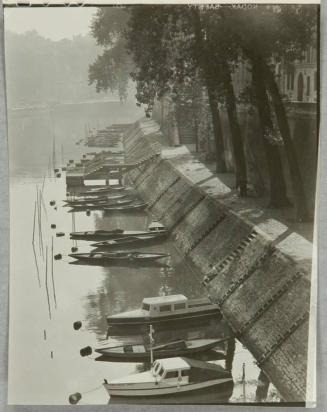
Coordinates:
(308, 85)
(315, 81)
(290, 79)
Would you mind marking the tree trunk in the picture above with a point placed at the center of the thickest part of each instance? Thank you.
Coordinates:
(240, 163)
(297, 181)
(204, 63)
(278, 196)
(217, 131)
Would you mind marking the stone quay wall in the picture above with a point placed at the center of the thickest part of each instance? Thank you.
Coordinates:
(259, 272)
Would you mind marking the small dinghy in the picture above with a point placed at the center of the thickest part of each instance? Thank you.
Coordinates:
(96, 198)
(154, 228)
(107, 234)
(123, 208)
(169, 377)
(132, 257)
(101, 202)
(140, 352)
(130, 241)
(105, 189)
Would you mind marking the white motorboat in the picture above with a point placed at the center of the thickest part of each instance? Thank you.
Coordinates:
(169, 377)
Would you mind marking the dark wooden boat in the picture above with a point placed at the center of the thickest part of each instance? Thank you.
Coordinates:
(125, 208)
(141, 352)
(130, 241)
(132, 257)
(100, 205)
(95, 198)
(97, 202)
(115, 234)
(105, 189)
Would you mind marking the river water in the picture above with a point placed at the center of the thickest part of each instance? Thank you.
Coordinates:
(47, 296)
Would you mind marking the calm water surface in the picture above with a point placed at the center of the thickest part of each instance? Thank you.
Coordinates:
(45, 300)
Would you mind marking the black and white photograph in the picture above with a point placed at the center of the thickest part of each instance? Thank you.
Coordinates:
(163, 165)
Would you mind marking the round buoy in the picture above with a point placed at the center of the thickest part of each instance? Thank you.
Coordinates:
(77, 325)
(53, 226)
(86, 351)
(56, 170)
(64, 169)
(58, 175)
(75, 398)
(88, 212)
(71, 161)
(58, 256)
(52, 202)
(60, 234)
(74, 249)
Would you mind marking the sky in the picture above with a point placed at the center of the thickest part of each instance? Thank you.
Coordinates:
(52, 23)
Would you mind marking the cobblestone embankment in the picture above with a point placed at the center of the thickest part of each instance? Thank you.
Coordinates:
(257, 271)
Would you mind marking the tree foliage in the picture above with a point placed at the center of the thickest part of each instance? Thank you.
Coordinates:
(111, 69)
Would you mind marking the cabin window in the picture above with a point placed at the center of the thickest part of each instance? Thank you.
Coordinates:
(161, 371)
(184, 372)
(146, 306)
(171, 374)
(165, 308)
(179, 306)
(156, 367)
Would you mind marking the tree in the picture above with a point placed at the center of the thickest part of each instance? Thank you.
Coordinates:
(111, 69)
(267, 33)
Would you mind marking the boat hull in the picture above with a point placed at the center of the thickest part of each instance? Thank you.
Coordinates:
(125, 242)
(158, 354)
(219, 394)
(154, 391)
(164, 322)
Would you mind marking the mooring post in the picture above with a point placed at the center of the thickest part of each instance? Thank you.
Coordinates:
(230, 352)
(262, 388)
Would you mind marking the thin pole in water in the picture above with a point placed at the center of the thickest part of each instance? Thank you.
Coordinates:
(46, 282)
(38, 217)
(52, 275)
(40, 224)
(243, 380)
(37, 266)
(62, 154)
(151, 343)
(33, 236)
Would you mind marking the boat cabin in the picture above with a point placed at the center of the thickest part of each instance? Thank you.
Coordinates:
(170, 370)
(162, 305)
(156, 226)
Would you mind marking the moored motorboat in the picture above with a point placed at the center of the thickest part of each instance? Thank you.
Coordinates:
(139, 352)
(166, 311)
(169, 377)
(132, 257)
